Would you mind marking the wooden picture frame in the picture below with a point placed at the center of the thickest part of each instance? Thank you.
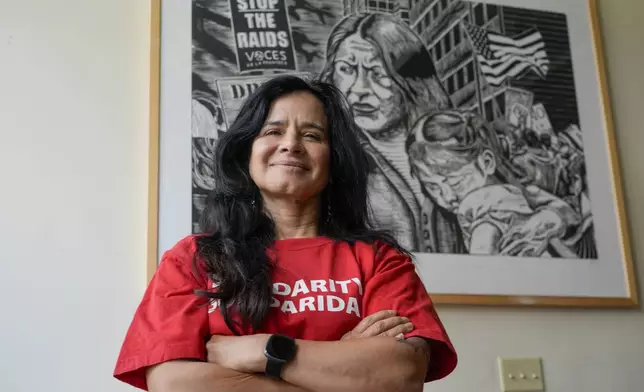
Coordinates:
(613, 259)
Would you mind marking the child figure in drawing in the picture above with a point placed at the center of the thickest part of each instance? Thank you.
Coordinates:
(458, 159)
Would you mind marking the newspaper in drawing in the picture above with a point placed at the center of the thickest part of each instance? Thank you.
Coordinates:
(468, 111)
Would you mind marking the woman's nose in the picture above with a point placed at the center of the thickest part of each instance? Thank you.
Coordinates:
(291, 143)
(361, 86)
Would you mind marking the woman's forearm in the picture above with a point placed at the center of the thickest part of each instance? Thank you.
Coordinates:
(188, 376)
(485, 239)
(372, 365)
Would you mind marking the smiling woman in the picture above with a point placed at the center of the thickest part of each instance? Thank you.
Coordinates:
(289, 159)
(290, 288)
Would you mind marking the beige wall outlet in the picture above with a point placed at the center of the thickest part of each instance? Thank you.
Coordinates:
(521, 375)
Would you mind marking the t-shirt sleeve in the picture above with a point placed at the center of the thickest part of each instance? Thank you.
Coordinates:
(170, 323)
(395, 285)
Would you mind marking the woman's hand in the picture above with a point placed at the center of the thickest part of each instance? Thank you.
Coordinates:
(383, 323)
(244, 354)
(531, 238)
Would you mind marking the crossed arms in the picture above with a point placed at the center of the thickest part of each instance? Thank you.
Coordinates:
(370, 358)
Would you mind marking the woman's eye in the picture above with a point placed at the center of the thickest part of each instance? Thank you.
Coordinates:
(345, 68)
(380, 75)
(272, 132)
(313, 136)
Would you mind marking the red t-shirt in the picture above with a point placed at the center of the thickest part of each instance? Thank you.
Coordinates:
(321, 290)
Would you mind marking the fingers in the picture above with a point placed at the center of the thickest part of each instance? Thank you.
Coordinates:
(522, 248)
(383, 323)
(391, 326)
(399, 330)
(371, 319)
(509, 238)
(512, 248)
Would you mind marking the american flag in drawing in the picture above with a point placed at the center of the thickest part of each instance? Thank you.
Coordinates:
(502, 57)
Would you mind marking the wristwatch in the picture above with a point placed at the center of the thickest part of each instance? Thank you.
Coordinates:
(279, 350)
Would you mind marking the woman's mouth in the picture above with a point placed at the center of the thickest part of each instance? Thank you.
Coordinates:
(293, 164)
(363, 109)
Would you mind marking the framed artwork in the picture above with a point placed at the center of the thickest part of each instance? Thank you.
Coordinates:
(488, 124)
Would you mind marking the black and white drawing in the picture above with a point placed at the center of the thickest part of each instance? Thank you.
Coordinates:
(468, 112)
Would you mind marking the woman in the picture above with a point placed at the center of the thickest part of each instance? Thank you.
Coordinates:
(291, 289)
(389, 79)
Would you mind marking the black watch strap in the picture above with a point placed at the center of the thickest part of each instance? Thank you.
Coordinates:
(274, 368)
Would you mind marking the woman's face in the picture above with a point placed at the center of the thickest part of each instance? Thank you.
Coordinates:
(448, 179)
(290, 155)
(360, 73)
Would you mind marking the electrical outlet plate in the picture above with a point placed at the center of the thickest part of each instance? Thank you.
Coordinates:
(521, 375)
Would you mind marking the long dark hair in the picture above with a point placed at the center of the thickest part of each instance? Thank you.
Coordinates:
(233, 250)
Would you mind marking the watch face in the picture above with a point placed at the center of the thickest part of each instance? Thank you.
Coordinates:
(281, 347)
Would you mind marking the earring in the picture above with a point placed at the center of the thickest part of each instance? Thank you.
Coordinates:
(252, 204)
(328, 213)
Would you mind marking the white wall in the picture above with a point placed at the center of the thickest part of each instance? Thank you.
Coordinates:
(73, 179)
(73, 120)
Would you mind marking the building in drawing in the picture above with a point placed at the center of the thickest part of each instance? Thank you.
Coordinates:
(399, 8)
(440, 23)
